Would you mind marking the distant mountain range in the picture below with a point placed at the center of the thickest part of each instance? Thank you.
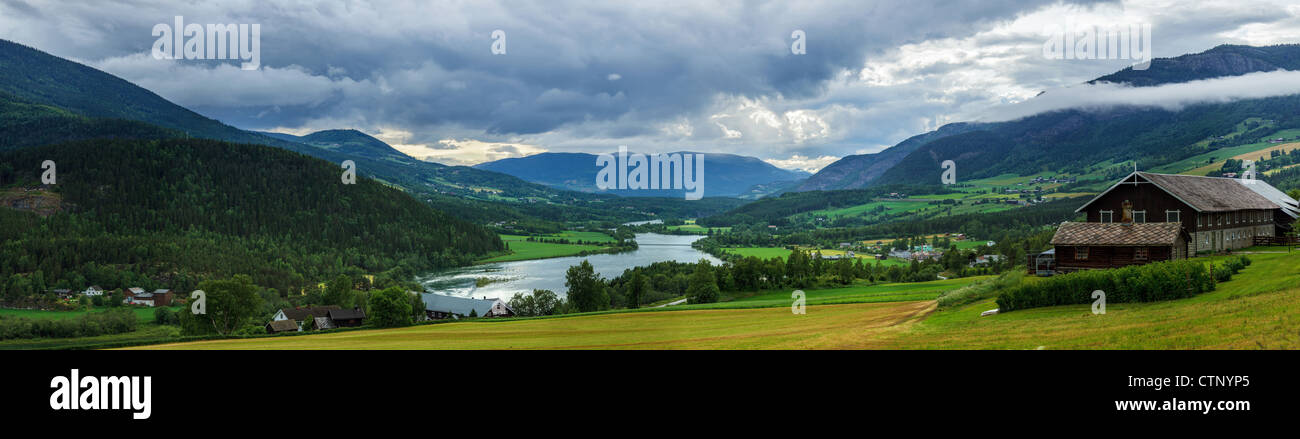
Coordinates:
(45, 99)
(726, 175)
(1071, 140)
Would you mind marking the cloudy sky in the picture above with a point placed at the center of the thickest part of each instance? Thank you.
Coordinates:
(656, 76)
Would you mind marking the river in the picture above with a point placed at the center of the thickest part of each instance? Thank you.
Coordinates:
(548, 274)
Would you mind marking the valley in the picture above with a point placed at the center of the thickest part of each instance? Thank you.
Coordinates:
(154, 197)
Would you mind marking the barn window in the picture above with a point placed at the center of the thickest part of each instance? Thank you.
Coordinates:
(1173, 216)
(1081, 253)
(1106, 216)
(1139, 216)
(1140, 253)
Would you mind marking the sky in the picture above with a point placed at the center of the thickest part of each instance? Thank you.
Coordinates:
(590, 76)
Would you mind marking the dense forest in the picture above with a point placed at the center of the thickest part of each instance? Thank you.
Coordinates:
(171, 212)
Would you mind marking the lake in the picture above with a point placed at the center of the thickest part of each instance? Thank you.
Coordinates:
(548, 274)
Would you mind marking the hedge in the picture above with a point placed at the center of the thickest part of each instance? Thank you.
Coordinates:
(114, 321)
(1135, 283)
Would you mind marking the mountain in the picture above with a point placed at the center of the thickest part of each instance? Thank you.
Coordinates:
(160, 210)
(725, 175)
(1072, 140)
(351, 142)
(857, 171)
(1225, 60)
(31, 77)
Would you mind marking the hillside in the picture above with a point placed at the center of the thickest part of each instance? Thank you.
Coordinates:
(33, 77)
(46, 99)
(1225, 60)
(195, 208)
(351, 142)
(727, 175)
(1071, 141)
(857, 171)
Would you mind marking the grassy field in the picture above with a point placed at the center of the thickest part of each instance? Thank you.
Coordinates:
(1202, 164)
(690, 226)
(1259, 308)
(823, 327)
(760, 252)
(522, 249)
(144, 314)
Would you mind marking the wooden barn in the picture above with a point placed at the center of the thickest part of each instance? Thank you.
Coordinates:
(1217, 213)
(1081, 246)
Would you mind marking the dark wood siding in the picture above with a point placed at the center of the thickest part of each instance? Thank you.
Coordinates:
(1144, 196)
(1108, 257)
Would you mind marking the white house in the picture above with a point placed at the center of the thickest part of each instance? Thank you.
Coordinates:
(94, 290)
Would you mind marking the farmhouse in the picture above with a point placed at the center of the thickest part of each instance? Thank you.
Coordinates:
(439, 306)
(138, 296)
(343, 318)
(297, 315)
(94, 290)
(1148, 217)
(1217, 213)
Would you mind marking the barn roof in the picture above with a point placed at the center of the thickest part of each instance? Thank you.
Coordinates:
(1117, 234)
(282, 325)
(346, 314)
(1205, 194)
(456, 305)
(314, 311)
(1289, 205)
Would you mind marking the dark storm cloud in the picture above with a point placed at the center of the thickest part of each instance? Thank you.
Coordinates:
(580, 74)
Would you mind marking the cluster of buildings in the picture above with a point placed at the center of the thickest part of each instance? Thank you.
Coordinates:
(1061, 180)
(130, 296)
(1147, 217)
(436, 307)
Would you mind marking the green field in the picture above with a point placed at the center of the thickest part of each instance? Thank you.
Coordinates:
(690, 226)
(1259, 308)
(759, 252)
(761, 321)
(145, 314)
(1201, 164)
(521, 249)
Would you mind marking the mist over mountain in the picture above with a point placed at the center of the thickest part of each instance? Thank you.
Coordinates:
(1070, 139)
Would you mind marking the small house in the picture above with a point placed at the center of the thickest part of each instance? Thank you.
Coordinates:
(93, 290)
(343, 318)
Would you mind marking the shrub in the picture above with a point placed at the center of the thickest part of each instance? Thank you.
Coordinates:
(1136, 283)
(86, 325)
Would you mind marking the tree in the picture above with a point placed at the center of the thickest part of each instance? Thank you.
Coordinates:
(637, 290)
(586, 289)
(417, 307)
(165, 316)
(389, 307)
(703, 288)
(537, 303)
(231, 303)
(339, 291)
